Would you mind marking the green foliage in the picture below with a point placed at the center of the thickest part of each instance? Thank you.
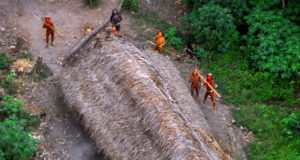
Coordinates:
(273, 45)
(293, 123)
(131, 5)
(10, 105)
(237, 7)
(28, 56)
(270, 125)
(40, 71)
(9, 84)
(292, 11)
(16, 144)
(231, 72)
(212, 26)
(5, 62)
(173, 39)
(93, 3)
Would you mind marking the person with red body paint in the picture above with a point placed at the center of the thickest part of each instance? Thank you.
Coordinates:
(195, 81)
(209, 91)
(50, 31)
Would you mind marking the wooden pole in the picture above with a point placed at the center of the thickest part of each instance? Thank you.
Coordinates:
(155, 44)
(88, 37)
(49, 26)
(209, 85)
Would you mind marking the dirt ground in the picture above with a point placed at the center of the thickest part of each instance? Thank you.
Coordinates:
(62, 135)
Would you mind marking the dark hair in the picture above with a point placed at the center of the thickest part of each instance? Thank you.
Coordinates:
(113, 11)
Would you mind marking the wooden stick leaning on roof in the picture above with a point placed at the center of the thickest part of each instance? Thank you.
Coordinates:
(49, 26)
(209, 85)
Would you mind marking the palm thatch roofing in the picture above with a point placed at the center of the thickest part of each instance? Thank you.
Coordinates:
(135, 105)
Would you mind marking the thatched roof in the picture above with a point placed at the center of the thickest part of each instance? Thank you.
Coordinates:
(135, 105)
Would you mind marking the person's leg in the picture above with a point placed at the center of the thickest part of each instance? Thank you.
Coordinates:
(192, 90)
(160, 49)
(118, 27)
(52, 38)
(213, 100)
(155, 48)
(205, 96)
(197, 91)
(47, 39)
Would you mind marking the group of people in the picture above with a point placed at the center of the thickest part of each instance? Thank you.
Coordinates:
(160, 41)
(115, 20)
(195, 80)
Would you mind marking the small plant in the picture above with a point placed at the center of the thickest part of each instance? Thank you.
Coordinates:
(5, 62)
(131, 5)
(40, 71)
(16, 142)
(10, 105)
(25, 55)
(93, 3)
(173, 39)
(9, 85)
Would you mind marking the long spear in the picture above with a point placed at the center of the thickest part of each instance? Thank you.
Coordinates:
(209, 85)
(49, 26)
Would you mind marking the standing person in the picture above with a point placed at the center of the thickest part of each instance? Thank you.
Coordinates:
(195, 81)
(50, 30)
(160, 41)
(209, 91)
(115, 19)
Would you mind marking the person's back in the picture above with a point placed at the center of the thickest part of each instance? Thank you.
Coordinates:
(115, 19)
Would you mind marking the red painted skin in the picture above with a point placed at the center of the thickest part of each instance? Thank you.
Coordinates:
(195, 80)
(209, 91)
(49, 31)
(160, 41)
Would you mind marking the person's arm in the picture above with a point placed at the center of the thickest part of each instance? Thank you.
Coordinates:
(111, 18)
(191, 79)
(45, 25)
(52, 25)
(120, 18)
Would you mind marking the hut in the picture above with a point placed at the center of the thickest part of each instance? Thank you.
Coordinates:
(135, 105)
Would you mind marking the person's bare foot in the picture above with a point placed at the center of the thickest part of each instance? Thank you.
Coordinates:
(52, 44)
(214, 109)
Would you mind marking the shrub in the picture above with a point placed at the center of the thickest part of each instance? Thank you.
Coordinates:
(273, 45)
(9, 85)
(15, 141)
(93, 3)
(293, 124)
(5, 62)
(270, 125)
(130, 4)
(40, 71)
(231, 71)
(173, 39)
(10, 105)
(237, 7)
(212, 26)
